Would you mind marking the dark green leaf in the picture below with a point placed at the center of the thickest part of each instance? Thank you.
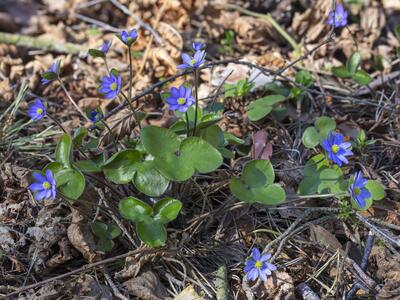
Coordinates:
(362, 77)
(96, 53)
(135, 210)
(152, 234)
(121, 167)
(149, 180)
(64, 150)
(311, 137)
(166, 210)
(341, 72)
(354, 62)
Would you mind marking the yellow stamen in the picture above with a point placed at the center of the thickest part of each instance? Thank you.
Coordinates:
(192, 62)
(357, 191)
(258, 264)
(181, 100)
(46, 185)
(113, 86)
(335, 148)
(39, 111)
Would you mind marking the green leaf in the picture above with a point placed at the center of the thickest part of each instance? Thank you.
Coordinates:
(316, 163)
(104, 245)
(99, 229)
(149, 180)
(49, 75)
(397, 32)
(341, 72)
(152, 234)
(174, 167)
(135, 210)
(87, 166)
(166, 210)
(79, 135)
(213, 135)
(113, 231)
(258, 172)
(241, 191)
(271, 195)
(311, 137)
(362, 77)
(354, 62)
(325, 125)
(121, 167)
(72, 183)
(304, 78)
(203, 157)
(96, 53)
(232, 139)
(327, 179)
(64, 150)
(260, 108)
(376, 189)
(159, 141)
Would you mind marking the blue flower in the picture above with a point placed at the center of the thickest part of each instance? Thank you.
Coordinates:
(198, 46)
(52, 73)
(37, 110)
(338, 18)
(128, 37)
(110, 86)
(358, 191)
(44, 187)
(105, 47)
(337, 149)
(258, 267)
(181, 99)
(193, 62)
(95, 116)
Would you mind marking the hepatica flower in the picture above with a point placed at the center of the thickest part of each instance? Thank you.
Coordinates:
(337, 148)
(110, 86)
(358, 191)
(337, 18)
(257, 266)
(44, 187)
(37, 110)
(198, 46)
(51, 73)
(95, 116)
(105, 47)
(181, 98)
(193, 62)
(128, 37)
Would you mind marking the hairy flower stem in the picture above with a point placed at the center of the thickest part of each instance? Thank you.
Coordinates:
(132, 109)
(187, 125)
(130, 86)
(196, 85)
(106, 64)
(111, 134)
(72, 100)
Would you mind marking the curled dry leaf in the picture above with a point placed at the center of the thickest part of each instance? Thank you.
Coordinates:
(133, 265)
(162, 61)
(279, 286)
(121, 125)
(172, 38)
(251, 31)
(320, 235)
(81, 237)
(88, 287)
(146, 286)
(388, 272)
(262, 148)
(188, 293)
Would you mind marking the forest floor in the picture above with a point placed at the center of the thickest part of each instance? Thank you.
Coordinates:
(46, 248)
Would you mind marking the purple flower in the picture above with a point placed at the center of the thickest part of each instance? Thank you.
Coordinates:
(51, 73)
(193, 62)
(44, 187)
(105, 47)
(198, 46)
(181, 99)
(358, 191)
(95, 116)
(337, 18)
(337, 149)
(37, 110)
(258, 267)
(128, 37)
(110, 86)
